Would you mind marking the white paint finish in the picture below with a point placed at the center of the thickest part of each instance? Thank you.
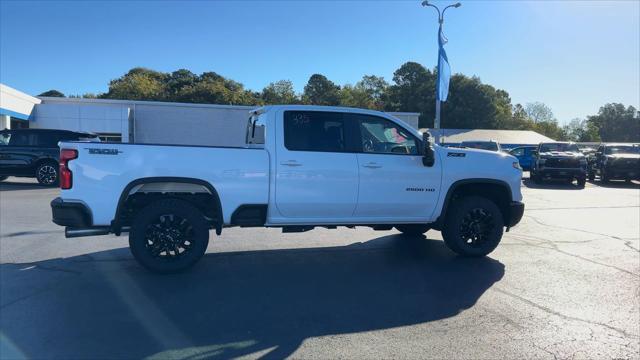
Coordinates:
(14, 100)
(5, 122)
(323, 190)
(240, 176)
(316, 185)
(385, 183)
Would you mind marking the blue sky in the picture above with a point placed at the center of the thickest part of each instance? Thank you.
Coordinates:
(572, 55)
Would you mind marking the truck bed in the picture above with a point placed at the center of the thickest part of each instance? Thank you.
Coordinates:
(103, 170)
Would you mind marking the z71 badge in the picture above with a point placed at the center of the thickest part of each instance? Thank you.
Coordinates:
(98, 151)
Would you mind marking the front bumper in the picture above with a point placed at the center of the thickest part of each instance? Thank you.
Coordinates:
(516, 211)
(562, 173)
(622, 173)
(70, 213)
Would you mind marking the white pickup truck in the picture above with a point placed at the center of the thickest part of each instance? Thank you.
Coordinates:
(302, 167)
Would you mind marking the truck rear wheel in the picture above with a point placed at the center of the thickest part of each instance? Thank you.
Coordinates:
(413, 229)
(473, 227)
(168, 236)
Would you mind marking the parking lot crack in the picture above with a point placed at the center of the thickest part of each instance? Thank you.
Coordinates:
(564, 316)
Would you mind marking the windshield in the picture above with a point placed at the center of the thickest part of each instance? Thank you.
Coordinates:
(622, 149)
(484, 145)
(558, 147)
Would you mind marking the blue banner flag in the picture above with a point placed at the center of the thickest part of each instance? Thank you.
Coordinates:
(444, 71)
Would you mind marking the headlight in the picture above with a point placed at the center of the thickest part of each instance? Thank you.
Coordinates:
(516, 165)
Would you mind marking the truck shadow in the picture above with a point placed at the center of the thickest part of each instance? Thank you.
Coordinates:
(551, 185)
(233, 304)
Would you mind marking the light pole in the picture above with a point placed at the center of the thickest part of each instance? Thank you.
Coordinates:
(441, 40)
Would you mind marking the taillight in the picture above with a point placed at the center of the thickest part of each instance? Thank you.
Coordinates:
(66, 177)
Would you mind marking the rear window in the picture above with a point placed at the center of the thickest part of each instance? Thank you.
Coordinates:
(314, 131)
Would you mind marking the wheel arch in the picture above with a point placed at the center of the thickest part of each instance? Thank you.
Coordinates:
(134, 186)
(498, 191)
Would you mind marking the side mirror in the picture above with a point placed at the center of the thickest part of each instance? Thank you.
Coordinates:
(428, 156)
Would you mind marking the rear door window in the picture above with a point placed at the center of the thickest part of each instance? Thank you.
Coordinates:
(315, 131)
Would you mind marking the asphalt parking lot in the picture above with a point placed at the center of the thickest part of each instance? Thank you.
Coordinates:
(565, 283)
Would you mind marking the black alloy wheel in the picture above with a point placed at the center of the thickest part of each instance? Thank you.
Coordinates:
(473, 227)
(47, 174)
(168, 236)
(476, 227)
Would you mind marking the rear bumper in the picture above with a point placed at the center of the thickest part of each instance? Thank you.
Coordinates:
(70, 213)
(516, 210)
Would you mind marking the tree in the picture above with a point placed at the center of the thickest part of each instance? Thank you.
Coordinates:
(413, 90)
(356, 96)
(280, 92)
(539, 112)
(615, 122)
(376, 88)
(321, 91)
(52, 93)
(138, 84)
(581, 131)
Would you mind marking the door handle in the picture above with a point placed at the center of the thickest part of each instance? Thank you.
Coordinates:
(290, 163)
(372, 165)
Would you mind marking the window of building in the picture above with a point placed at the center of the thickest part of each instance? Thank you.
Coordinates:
(314, 131)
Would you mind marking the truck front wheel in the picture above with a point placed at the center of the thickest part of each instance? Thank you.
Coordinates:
(473, 227)
(168, 236)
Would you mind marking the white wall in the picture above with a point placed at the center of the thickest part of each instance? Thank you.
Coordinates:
(99, 117)
(191, 124)
(155, 122)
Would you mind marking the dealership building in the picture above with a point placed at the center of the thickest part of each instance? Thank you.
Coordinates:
(181, 123)
(135, 121)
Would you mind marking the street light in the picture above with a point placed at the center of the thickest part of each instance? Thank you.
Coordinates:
(436, 123)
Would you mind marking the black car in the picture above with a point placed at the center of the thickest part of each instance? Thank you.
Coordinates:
(559, 160)
(34, 152)
(616, 162)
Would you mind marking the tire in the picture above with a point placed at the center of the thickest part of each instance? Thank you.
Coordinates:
(413, 229)
(463, 232)
(603, 177)
(582, 182)
(47, 174)
(3, 178)
(592, 176)
(171, 227)
(536, 178)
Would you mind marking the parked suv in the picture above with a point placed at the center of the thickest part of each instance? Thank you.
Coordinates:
(559, 160)
(34, 152)
(616, 161)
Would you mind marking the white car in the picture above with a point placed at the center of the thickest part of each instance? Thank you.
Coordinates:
(302, 167)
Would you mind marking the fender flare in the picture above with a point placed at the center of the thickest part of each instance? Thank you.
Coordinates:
(116, 227)
(452, 189)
